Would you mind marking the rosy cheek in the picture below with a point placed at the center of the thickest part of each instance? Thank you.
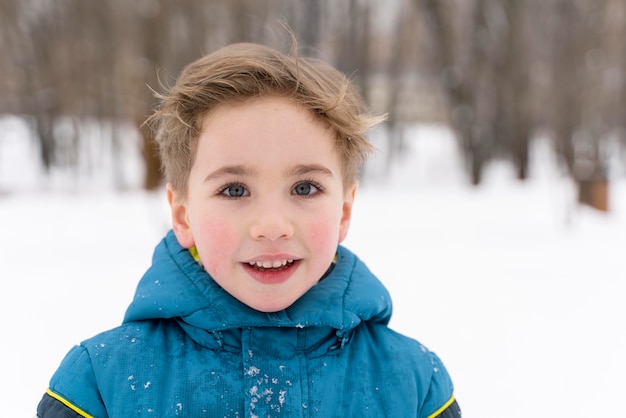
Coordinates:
(322, 236)
(216, 245)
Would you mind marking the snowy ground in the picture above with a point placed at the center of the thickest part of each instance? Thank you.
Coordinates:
(519, 291)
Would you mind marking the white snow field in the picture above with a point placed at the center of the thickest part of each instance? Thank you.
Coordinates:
(520, 291)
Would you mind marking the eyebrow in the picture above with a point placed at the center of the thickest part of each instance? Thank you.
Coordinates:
(304, 169)
(242, 170)
(233, 170)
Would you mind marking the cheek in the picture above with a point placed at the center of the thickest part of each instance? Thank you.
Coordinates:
(215, 243)
(323, 236)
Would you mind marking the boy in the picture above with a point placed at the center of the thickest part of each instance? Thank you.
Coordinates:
(251, 307)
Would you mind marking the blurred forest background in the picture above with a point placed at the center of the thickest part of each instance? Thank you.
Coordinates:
(500, 73)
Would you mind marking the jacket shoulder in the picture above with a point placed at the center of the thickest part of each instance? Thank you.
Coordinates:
(435, 390)
(73, 388)
(76, 388)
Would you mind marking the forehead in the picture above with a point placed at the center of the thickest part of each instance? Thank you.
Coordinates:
(266, 105)
(265, 129)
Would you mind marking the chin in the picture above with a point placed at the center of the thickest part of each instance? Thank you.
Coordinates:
(271, 304)
(271, 307)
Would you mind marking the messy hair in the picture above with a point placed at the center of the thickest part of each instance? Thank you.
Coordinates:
(241, 72)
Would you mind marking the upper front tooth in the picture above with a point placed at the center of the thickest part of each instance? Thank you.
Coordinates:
(270, 264)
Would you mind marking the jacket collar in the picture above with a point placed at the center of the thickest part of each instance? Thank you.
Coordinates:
(177, 287)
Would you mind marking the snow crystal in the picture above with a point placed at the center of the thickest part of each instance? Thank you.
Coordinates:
(253, 371)
(131, 379)
(254, 400)
(268, 395)
(254, 390)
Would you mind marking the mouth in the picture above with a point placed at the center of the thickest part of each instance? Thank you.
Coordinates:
(271, 271)
(271, 265)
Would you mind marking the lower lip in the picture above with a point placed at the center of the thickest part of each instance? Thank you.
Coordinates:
(271, 276)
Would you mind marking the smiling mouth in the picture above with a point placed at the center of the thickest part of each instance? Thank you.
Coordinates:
(275, 265)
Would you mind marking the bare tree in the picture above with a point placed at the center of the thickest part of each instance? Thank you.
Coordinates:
(462, 58)
(507, 68)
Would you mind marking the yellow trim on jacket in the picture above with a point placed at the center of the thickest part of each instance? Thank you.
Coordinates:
(68, 404)
(443, 408)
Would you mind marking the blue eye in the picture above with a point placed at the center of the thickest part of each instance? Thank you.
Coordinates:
(306, 188)
(234, 190)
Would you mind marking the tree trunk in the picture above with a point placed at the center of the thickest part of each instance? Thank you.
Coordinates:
(150, 154)
(594, 192)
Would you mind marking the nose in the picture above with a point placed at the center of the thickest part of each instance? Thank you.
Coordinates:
(271, 221)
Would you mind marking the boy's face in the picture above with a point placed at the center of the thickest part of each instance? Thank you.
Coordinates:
(266, 205)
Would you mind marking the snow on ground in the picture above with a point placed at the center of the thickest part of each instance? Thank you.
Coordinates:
(520, 291)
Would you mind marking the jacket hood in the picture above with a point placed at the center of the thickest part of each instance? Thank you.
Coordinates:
(177, 287)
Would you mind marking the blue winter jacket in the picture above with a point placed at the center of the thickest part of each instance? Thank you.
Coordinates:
(189, 349)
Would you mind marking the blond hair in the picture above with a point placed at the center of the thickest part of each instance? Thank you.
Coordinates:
(241, 72)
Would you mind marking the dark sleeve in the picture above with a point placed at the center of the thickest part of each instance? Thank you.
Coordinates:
(452, 411)
(53, 408)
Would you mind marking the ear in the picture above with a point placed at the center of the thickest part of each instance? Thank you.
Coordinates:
(180, 219)
(348, 201)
